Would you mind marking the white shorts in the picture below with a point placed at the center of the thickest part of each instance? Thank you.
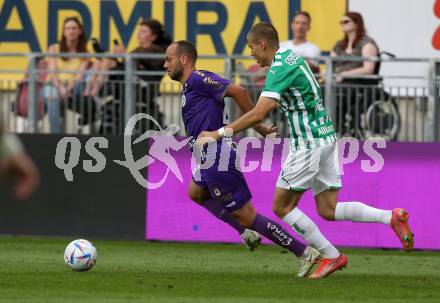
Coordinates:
(316, 168)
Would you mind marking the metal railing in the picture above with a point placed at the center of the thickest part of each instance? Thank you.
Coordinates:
(396, 106)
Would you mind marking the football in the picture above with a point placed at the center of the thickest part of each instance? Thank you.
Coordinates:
(80, 255)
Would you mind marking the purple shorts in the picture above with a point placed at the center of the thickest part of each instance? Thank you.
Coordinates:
(227, 185)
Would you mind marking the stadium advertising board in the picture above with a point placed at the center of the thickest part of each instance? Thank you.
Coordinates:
(416, 163)
(216, 27)
(95, 205)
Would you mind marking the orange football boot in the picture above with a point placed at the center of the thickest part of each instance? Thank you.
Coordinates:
(327, 266)
(399, 223)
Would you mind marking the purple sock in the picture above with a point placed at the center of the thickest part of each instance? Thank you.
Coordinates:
(274, 232)
(215, 208)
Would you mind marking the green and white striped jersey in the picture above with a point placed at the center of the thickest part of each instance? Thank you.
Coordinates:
(291, 82)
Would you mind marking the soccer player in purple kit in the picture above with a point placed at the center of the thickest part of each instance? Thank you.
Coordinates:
(203, 110)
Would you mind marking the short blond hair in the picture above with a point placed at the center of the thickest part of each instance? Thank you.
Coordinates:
(265, 31)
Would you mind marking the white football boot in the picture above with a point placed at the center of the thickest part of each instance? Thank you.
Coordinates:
(306, 263)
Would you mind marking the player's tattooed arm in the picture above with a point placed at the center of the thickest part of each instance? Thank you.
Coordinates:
(242, 98)
(257, 115)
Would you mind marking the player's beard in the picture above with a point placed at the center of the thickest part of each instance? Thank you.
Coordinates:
(177, 74)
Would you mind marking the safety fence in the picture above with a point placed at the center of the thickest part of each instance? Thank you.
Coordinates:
(394, 103)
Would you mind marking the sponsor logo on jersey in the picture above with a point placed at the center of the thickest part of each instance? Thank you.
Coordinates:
(212, 82)
(324, 130)
(232, 204)
(200, 73)
(291, 59)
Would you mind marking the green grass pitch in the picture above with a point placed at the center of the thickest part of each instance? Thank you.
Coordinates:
(33, 270)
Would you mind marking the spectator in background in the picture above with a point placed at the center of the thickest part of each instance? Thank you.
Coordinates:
(152, 39)
(354, 44)
(60, 83)
(359, 94)
(300, 26)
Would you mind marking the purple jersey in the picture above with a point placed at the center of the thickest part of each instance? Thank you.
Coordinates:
(202, 102)
(203, 110)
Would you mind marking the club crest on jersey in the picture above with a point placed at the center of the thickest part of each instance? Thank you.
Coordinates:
(183, 101)
(217, 191)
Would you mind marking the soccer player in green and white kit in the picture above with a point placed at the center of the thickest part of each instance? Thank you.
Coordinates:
(312, 161)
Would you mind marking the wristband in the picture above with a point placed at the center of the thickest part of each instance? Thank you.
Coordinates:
(10, 145)
(225, 132)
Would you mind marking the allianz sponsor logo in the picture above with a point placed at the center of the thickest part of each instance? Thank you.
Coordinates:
(324, 130)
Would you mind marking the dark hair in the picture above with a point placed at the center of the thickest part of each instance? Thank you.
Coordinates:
(360, 31)
(266, 31)
(185, 47)
(162, 38)
(302, 13)
(81, 47)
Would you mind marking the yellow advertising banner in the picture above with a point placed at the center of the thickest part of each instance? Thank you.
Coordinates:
(216, 27)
